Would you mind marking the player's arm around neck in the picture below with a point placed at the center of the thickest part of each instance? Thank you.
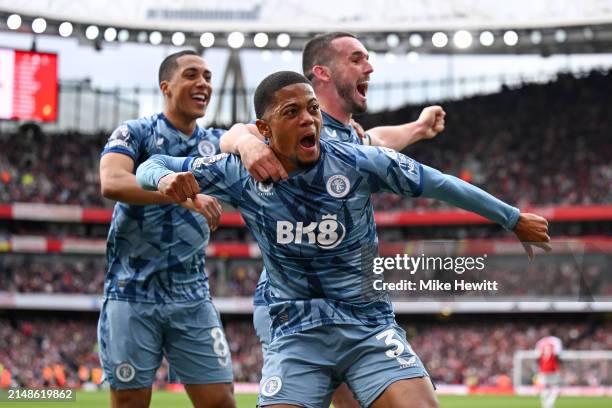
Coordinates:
(118, 182)
(427, 126)
(259, 160)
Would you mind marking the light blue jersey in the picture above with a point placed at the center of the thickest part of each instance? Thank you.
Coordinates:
(155, 253)
(316, 230)
(332, 130)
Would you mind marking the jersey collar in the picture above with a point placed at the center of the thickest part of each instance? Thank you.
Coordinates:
(196, 131)
(328, 120)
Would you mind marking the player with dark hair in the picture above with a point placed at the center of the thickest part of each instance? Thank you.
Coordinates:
(338, 66)
(318, 239)
(156, 296)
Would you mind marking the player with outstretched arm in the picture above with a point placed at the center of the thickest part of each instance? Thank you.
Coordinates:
(318, 239)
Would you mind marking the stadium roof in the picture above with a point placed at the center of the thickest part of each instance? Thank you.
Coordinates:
(320, 15)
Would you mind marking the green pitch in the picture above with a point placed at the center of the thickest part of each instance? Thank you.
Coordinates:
(179, 400)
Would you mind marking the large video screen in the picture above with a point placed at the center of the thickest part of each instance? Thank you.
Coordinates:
(28, 85)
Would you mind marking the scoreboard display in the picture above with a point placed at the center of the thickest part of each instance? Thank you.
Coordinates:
(28, 85)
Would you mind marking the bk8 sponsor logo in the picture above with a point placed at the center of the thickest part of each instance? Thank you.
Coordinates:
(326, 234)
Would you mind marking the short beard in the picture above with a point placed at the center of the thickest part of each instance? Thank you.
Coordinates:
(346, 93)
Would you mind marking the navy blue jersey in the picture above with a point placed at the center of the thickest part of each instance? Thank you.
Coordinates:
(316, 230)
(155, 253)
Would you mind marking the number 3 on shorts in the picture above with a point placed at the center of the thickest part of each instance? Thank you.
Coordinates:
(220, 346)
(390, 341)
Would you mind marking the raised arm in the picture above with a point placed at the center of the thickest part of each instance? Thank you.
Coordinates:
(427, 126)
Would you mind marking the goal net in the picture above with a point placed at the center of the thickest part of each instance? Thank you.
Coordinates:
(582, 372)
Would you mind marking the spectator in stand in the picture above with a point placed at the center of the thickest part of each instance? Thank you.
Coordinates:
(482, 357)
(501, 142)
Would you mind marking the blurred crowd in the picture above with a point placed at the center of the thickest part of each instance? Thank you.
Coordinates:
(539, 144)
(536, 144)
(20, 273)
(39, 351)
(54, 169)
(52, 274)
(548, 277)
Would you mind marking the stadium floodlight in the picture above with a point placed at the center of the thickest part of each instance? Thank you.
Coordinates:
(260, 40)
(235, 40)
(486, 38)
(536, 37)
(65, 29)
(142, 37)
(110, 34)
(266, 55)
(462, 39)
(207, 40)
(39, 25)
(92, 32)
(560, 36)
(412, 56)
(178, 39)
(510, 38)
(283, 40)
(287, 56)
(588, 33)
(415, 40)
(393, 40)
(439, 39)
(155, 37)
(390, 58)
(123, 35)
(13, 21)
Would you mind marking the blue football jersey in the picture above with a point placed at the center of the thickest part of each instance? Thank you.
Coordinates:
(316, 230)
(155, 253)
(332, 130)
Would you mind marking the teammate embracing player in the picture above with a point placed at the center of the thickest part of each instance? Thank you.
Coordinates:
(338, 66)
(318, 239)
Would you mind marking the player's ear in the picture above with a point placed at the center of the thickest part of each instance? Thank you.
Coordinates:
(263, 128)
(165, 88)
(321, 72)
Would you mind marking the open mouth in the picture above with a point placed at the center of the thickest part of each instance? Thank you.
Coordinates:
(200, 98)
(362, 89)
(307, 141)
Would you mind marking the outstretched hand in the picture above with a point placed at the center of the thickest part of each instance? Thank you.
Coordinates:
(532, 230)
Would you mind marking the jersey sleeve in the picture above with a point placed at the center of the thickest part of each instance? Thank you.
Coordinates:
(125, 140)
(391, 171)
(386, 170)
(220, 176)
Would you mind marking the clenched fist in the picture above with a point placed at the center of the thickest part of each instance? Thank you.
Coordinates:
(532, 230)
(431, 120)
(179, 187)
